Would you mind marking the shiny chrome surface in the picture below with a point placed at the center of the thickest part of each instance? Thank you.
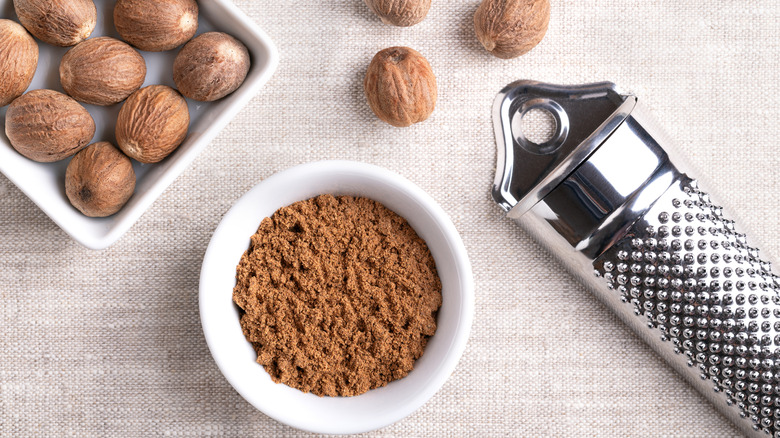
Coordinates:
(623, 213)
(526, 171)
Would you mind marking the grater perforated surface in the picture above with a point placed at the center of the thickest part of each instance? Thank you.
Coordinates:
(707, 294)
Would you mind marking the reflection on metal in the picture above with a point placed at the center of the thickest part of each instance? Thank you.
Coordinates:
(611, 198)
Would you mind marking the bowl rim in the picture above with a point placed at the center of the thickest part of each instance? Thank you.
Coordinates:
(462, 266)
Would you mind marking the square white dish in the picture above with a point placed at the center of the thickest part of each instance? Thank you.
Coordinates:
(44, 183)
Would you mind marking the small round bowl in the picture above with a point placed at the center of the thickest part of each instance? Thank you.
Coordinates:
(235, 356)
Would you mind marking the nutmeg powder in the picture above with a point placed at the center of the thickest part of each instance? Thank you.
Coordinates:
(338, 295)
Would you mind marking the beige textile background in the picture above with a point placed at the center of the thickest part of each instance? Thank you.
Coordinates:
(109, 343)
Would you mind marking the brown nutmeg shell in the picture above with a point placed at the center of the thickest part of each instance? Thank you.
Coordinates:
(47, 126)
(510, 28)
(152, 123)
(99, 180)
(211, 66)
(58, 22)
(156, 25)
(102, 71)
(400, 86)
(18, 60)
(400, 12)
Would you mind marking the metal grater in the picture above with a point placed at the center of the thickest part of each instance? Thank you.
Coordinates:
(611, 198)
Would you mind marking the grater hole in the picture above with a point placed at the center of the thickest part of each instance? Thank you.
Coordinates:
(539, 125)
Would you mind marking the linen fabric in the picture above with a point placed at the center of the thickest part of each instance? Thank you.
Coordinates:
(109, 343)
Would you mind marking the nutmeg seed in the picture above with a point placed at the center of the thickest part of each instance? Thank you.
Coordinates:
(510, 28)
(18, 60)
(102, 71)
(152, 123)
(156, 25)
(99, 180)
(400, 12)
(400, 86)
(58, 22)
(211, 66)
(47, 126)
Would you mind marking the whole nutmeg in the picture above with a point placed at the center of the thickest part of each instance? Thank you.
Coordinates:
(510, 28)
(400, 86)
(47, 126)
(58, 22)
(102, 71)
(156, 25)
(211, 66)
(99, 180)
(18, 60)
(400, 12)
(152, 123)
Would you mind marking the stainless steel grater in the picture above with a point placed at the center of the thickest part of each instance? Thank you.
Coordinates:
(611, 198)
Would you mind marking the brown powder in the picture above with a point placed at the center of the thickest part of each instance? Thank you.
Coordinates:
(338, 295)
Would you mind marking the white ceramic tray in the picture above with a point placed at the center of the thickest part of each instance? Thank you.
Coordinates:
(44, 184)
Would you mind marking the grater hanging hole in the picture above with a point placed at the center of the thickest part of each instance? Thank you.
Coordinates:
(540, 126)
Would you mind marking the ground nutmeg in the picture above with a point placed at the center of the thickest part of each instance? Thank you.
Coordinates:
(338, 295)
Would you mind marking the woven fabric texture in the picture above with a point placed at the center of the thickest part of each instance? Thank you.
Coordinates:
(109, 343)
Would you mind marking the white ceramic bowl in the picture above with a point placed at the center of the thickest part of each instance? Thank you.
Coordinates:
(235, 356)
(44, 184)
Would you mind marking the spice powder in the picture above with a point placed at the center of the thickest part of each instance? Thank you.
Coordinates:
(338, 295)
